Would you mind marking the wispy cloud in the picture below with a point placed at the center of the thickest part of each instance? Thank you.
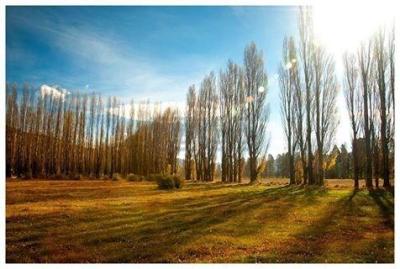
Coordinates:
(110, 65)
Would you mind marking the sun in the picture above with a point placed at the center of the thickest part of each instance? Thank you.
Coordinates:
(342, 27)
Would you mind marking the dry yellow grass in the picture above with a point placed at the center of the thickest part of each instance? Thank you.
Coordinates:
(108, 221)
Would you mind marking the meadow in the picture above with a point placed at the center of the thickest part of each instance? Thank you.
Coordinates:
(270, 222)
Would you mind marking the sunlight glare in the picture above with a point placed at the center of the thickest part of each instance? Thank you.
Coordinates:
(342, 27)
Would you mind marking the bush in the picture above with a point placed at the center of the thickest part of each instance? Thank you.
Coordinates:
(167, 182)
(116, 176)
(178, 182)
(133, 177)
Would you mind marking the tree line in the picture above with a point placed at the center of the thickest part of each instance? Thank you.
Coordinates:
(49, 135)
(369, 85)
(308, 92)
(234, 115)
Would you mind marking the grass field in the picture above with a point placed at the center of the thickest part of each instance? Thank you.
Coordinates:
(108, 221)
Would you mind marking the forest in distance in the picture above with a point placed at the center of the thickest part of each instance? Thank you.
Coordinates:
(53, 135)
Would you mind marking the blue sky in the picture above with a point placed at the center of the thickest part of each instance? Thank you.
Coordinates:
(151, 53)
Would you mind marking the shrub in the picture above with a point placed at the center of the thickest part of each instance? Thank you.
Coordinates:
(167, 182)
(178, 182)
(133, 177)
(116, 176)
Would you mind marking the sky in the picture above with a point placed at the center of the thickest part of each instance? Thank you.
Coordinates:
(147, 53)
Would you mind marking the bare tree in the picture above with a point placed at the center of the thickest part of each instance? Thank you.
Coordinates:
(354, 106)
(256, 114)
(391, 48)
(287, 82)
(299, 109)
(231, 121)
(190, 132)
(208, 124)
(100, 137)
(391, 55)
(306, 51)
(11, 128)
(381, 59)
(365, 63)
(325, 92)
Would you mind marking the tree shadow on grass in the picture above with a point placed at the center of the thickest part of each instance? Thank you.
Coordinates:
(160, 232)
(180, 227)
(385, 205)
(185, 221)
(338, 226)
(308, 244)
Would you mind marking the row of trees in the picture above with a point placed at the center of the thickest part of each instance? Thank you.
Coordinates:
(70, 135)
(235, 112)
(201, 130)
(369, 86)
(308, 91)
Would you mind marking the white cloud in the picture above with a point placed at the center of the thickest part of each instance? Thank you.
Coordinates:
(54, 91)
